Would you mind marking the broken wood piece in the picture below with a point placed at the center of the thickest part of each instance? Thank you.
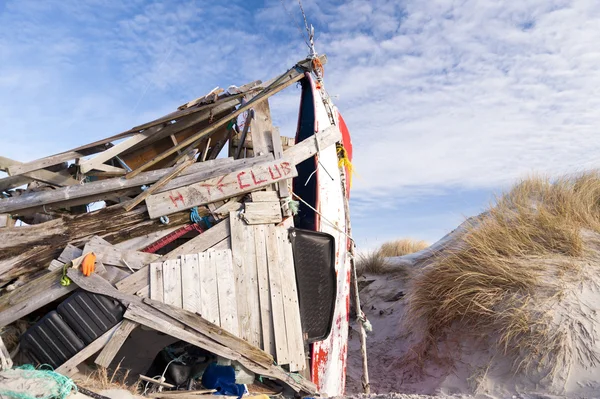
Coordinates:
(6, 362)
(115, 343)
(69, 253)
(111, 255)
(219, 188)
(264, 196)
(226, 208)
(55, 265)
(6, 220)
(183, 394)
(262, 212)
(244, 133)
(157, 382)
(70, 366)
(175, 170)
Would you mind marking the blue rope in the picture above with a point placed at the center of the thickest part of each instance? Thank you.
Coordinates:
(196, 218)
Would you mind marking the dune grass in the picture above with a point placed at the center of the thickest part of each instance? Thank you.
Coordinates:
(401, 247)
(509, 270)
(374, 262)
(103, 379)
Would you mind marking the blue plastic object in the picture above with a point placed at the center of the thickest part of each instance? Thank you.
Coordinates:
(222, 378)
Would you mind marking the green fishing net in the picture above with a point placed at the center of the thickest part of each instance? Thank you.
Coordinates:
(48, 383)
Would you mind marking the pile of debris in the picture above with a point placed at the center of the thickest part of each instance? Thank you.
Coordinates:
(200, 248)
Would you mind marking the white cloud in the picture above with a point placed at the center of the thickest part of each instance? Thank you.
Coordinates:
(438, 94)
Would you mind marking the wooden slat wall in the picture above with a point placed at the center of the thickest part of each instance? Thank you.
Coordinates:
(248, 290)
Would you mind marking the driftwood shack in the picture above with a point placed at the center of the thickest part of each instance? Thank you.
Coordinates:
(217, 231)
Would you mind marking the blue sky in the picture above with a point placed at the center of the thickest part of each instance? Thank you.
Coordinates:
(448, 101)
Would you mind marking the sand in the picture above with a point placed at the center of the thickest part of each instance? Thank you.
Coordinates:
(472, 368)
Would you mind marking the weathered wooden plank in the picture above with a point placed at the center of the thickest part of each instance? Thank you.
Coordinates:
(283, 186)
(312, 145)
(225, 244)
(32, 296)
(175, 170)
(219, 188)
(264, 196)
(137, 313)
(19, 168)
(54, 178)
(190, 280)
(251, 286)
(275, 286)
(6, 362)
(261, 128)
(157, 288)
(226, 290)
(139, 243)
(55, 265)
(195, 172)
(69, 253)
(264, 291)
(70, 366)
(291, 305)
(139, 280)
(217, 333)
(115, 343)
(112, 152)
(262, 212)
(208, 287)
(172, 283)
(111, 255)
(239, 252)
(284, 81)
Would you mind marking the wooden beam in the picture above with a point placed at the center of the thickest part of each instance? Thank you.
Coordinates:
(42, 175)
(287, 79)
(115, 343)
(262, 212)
(219, 188)
(99, 189)
(19, 168)
(69, 368)
(175, 170)
(97, 161)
